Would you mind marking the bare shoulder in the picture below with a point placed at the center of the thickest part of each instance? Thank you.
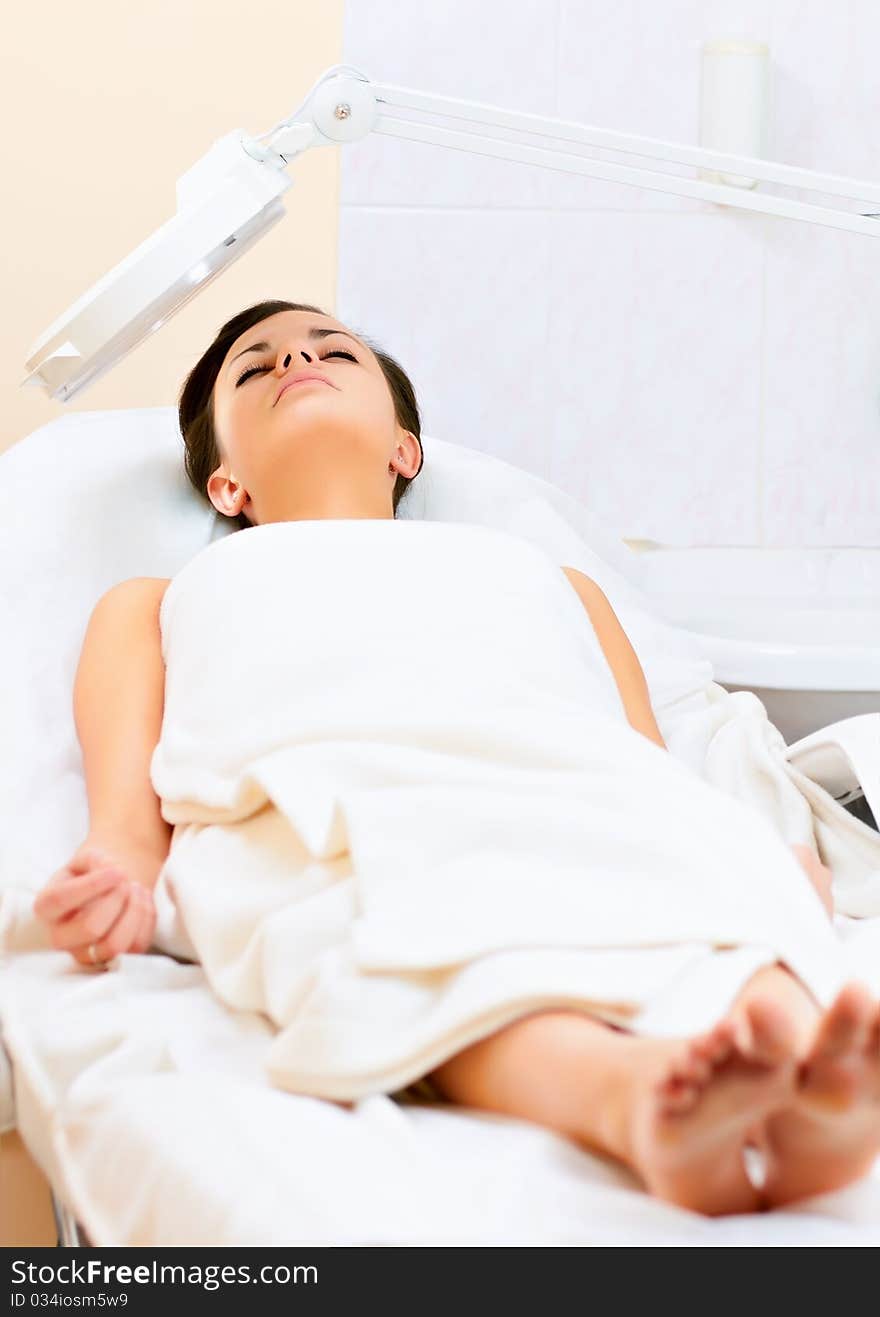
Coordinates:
(577, 577)
(126, 619)
(137, 593)
(596, 604)
(586, 587)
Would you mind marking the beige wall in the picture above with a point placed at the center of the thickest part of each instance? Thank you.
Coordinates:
(104, 106)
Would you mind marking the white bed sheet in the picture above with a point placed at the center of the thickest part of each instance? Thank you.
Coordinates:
(144, 1100)
(141, 1096)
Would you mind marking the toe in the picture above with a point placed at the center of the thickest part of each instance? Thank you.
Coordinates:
(676, 1097)
(846, 1025)
(699, 1070)
(873, 1048)
(691, 1067)
(717, 1046)
(773, 1035)
(671, 1080)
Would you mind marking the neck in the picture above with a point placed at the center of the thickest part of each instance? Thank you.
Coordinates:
(322, 504)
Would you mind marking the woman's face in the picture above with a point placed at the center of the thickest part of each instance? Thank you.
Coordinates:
(329, 448)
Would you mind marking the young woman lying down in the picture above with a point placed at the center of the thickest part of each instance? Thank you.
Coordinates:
(406, 789)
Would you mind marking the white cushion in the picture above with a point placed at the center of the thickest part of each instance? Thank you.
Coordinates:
(93, 498)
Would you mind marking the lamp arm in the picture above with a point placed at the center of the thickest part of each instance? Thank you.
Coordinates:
(232, 196)
(345, 106)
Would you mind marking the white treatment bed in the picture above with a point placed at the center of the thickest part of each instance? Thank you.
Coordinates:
(141, 1097)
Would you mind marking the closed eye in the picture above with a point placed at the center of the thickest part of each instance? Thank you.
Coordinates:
(253, 370)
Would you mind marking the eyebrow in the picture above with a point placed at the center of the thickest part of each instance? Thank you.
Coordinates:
(316, 331)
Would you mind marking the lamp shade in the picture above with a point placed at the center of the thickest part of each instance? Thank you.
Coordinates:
(225, 203)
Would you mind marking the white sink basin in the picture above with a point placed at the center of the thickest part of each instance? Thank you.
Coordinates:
(784, 646)
(800, 628)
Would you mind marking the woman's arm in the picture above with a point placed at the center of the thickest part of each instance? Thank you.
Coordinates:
(100, 904)
(119, 698)
(622, 659)
(633, 689)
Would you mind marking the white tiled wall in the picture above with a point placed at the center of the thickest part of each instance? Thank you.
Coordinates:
(692, 373)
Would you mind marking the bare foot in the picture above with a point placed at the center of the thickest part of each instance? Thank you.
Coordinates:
(830, 1135)
(690, 1128)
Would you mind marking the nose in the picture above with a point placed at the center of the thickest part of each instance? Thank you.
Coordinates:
(286, 361)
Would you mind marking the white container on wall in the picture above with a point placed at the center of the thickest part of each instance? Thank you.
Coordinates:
(734, 97)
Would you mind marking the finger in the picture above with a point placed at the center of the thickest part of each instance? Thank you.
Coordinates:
(91, 953)
(65, 894)
(90, 923)
(120, 937)
(115, 880)
(147, 929)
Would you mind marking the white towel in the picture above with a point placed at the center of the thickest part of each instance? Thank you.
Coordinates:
(409, 809)
(729, 740)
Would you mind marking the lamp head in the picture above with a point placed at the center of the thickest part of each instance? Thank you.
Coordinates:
(225, 203)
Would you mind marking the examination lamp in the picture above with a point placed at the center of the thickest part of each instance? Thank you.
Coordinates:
(232, 196)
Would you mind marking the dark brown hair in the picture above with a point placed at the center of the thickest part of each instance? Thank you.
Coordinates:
(195, 403)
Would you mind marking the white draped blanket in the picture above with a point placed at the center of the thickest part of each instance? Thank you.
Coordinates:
(409, 809)
(730, 742)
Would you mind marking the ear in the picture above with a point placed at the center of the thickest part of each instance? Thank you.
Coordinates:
(225, 493)
(407, 455)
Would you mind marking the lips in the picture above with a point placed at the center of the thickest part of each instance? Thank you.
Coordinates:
(301, 379)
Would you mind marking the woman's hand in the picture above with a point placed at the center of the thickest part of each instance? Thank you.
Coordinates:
(102, 898)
